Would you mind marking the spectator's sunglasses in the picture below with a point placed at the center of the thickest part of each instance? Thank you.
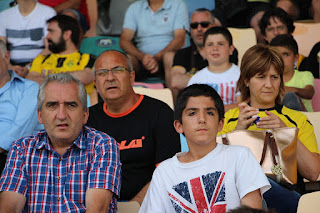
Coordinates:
(203, 24)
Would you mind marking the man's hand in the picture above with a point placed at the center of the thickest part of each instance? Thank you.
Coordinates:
(150, 63)
(21, 71)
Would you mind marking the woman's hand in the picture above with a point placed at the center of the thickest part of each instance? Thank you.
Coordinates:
(271, 121)
(245, 116)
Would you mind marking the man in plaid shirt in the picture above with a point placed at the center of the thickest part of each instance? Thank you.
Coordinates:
(68, 167)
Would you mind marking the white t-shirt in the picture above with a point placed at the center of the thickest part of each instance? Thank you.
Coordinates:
(215, 183)
(224, 83)
(25, 34)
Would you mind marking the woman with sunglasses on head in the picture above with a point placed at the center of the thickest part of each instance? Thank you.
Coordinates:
(261, 86)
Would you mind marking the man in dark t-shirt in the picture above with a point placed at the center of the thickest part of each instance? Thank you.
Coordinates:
(142, 126)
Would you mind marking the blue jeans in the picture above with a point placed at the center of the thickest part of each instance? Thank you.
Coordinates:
(281, 199)
(292, 101)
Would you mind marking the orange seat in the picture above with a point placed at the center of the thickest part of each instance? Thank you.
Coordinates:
(306, 35)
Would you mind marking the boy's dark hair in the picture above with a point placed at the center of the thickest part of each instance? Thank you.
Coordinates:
(68, 23)
(218, 30)
(287, 41)
(276, 13)
(196, 90)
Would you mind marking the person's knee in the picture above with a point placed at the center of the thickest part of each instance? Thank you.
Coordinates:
(135, 62)
(292, 101)
(168, 59)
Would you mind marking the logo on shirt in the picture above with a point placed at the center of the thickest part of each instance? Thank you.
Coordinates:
(70, 64)
(135, 143)
(166, 17)
(202, 194)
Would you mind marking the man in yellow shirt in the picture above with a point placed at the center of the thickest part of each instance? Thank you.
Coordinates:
(63, 40)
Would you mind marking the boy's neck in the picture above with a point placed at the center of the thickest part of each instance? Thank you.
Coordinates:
(287, 75)
(220, 68)
(196, 152)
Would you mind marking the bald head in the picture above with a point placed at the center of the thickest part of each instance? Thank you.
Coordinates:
(114, 56)
(114, 77)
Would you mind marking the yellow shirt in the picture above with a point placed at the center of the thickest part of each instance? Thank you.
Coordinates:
(56, 63)
(291, 118)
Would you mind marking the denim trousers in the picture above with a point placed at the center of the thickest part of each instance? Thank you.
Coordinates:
(280, 199)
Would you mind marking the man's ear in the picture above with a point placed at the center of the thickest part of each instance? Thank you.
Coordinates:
(132, 76)
(178, 126)
(86, 116)
(7, 57)
(39, 116)
(67, 34)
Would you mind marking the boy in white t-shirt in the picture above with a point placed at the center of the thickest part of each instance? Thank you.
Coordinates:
(220, 74)
(210, 177)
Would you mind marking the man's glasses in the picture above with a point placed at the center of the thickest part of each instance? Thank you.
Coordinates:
(115, 71)
(203, 24)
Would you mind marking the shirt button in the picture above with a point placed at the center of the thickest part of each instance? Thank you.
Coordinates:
(59, 178)
(59, 159)
(59, 198)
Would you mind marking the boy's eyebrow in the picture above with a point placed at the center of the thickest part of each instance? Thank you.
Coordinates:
(194, 108)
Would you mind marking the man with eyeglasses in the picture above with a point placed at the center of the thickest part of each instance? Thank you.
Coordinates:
(142, 126)
(189, 60)
(277, 22)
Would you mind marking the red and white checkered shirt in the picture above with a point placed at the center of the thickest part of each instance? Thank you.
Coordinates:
(54, 183)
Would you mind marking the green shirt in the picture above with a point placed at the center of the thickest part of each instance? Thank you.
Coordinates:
(300, 79)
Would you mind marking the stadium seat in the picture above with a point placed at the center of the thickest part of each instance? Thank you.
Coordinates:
(243, 39)
(309, 203)
(164, 95)
(306, 35)
(128, 207)
(96, 45)
(149, 85)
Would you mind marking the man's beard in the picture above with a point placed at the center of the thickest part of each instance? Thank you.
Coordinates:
(58, 47)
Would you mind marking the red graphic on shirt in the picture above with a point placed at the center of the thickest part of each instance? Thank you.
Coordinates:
(135, 143)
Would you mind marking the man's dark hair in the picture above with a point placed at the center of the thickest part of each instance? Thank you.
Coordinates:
(279, 13)
(68, 23)
(287, 41)
(218, 30)
(196, 90)
(205, 10)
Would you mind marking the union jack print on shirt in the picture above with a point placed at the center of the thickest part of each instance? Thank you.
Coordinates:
(202, 194)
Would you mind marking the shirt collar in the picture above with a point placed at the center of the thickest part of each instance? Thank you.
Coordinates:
(13, 75)
(166, 5)
(81, 141)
